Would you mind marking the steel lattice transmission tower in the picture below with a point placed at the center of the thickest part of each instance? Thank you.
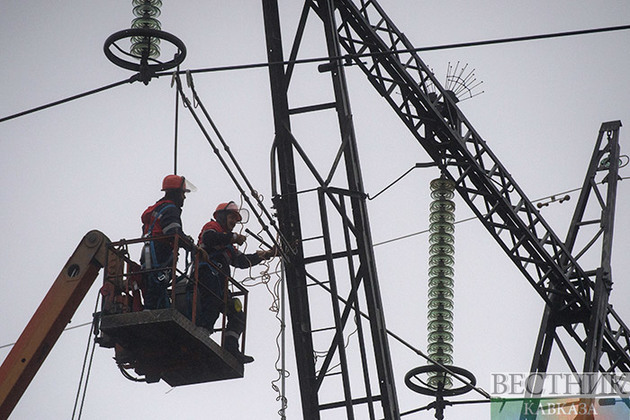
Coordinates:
(332, 260)
(343, 268)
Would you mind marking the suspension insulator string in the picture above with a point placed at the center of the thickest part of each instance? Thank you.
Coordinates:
(441, 272)
(146, 13)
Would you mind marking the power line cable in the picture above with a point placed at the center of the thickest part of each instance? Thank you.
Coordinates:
(85, 371)
(176, 137)
(64, 330)
(420, 49)
(402, 341)
(409, 235)
(70, 98)
(448, 46)
(325, 59)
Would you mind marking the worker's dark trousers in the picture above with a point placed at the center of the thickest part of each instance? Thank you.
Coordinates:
(211, 302)
(156, 293)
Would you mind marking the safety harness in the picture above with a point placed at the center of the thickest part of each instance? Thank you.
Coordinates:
(152, 227)
(158, 281)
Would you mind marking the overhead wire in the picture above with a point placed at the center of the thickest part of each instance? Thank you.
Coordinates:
(234, 161)
(176, 139)
(405, 343)
(86, 369)
(390, 333)
(328, 58)
(411, 50)
(276, 304)
(64, 330)
(417, 165)
(70, 98)
(468, 219)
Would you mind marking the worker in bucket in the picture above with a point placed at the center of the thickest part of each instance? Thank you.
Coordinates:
(162, 218)
(219, 240)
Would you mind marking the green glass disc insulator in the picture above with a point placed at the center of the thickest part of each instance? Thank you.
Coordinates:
(441, 260)
(147, 8)
(442, 248)
(440, 378)
(441, 350)
(146, 12)
(441, 281)
(441, 336)
(442, 205)
(143, 44)
(440, 293)
(435, 238)
(441, 299)
(441, 271)
(155, 3)
(441, 314)
(145, 22)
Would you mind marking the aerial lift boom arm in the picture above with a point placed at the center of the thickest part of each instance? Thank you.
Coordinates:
(52, 316)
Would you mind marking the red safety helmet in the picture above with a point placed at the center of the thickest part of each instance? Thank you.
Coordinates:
(226, 207)
(176, 182)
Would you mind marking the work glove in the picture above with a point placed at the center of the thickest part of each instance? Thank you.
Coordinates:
(270, 253)
(237, 238)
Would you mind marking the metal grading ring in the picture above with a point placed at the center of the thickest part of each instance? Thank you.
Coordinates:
(143, 32)
(446, 392)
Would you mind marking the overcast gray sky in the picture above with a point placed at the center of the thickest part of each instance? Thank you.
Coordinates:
(97, 163)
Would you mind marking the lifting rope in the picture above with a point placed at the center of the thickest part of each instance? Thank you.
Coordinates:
(277, 292)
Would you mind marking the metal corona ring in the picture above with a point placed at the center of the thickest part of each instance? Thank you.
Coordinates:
(441, 261)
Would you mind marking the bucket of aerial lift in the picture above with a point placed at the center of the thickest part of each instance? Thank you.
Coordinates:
(159, 343)
(164, 344)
